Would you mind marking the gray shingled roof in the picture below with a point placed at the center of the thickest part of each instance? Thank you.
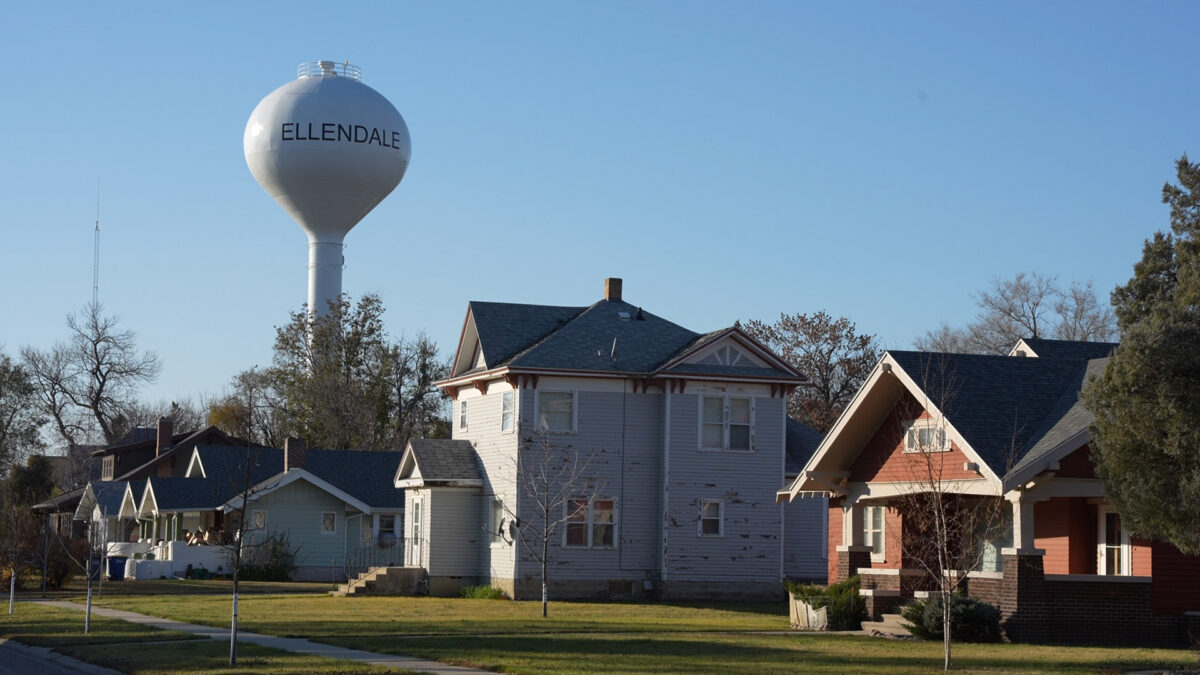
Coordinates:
(586, 342)
(1068, 419)
(110, 493)
(1001, 405)
(506, 328)
(445, 459)
(172, 495)
(228, 463)
(1070, 349)
(801, 444)
(363, 474)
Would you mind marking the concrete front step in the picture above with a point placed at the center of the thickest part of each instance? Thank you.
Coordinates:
(891, 625)
(386, 581)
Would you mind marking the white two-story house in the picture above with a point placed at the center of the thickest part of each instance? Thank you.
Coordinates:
(684, 434)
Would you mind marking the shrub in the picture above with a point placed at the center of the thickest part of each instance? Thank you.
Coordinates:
(272, 559)
(971, 619)
(482, 593)
(845, 608)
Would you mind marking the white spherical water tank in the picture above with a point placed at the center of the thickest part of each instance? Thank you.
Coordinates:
(328, 149)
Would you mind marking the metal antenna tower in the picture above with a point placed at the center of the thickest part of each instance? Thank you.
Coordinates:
(96, 251)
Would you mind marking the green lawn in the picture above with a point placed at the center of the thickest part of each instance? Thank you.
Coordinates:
(598, 637)
(132, 648)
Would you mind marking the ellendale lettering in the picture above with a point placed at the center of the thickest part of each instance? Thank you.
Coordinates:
(346, 133)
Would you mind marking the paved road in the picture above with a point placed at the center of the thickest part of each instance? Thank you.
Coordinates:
(22, 659)
(396, 662)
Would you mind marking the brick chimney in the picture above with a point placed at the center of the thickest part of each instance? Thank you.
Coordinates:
(293, 453)
(612, 289)
(163, 436)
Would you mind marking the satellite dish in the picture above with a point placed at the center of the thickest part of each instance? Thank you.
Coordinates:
(328, 149)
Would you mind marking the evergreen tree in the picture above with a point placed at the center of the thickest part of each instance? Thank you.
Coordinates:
(1146, 438)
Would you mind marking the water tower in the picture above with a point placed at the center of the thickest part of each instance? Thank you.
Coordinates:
(328, 149)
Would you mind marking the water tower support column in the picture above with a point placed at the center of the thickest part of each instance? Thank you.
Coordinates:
(325, 262)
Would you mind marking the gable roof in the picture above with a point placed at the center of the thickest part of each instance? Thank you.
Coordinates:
(175, 495)
(364, 474)
(503, 329)
(287, 478)
(106, 494)
(428, 462)
(1075, 350)
(609, 336)
(999, 404)
(208, 436)
(1016, 415)
(228, 463)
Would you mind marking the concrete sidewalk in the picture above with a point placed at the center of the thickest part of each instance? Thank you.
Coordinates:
(296, 645)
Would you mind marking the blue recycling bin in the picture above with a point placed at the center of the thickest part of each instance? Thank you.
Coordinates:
(116, 568)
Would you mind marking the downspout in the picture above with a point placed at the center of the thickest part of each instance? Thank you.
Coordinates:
(666, 469)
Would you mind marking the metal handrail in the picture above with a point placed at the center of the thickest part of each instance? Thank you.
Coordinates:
(383, 551)
(328, 69)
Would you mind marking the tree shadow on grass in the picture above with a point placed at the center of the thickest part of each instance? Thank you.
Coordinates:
(757, 653)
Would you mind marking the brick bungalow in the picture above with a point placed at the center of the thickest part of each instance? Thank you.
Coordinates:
(1007, 428)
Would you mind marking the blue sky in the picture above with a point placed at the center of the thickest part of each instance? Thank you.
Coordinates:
(880, 161)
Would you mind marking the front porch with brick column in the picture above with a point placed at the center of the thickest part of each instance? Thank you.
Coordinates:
(1024, 613)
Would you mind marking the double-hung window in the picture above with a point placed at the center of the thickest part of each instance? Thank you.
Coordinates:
(387, 529)
(726, 423)
(508, 408)
(556, 411)
(591, 523)
(462, 414)
(328, 522)
(1114, 552)
(873, 523)
(712, 519)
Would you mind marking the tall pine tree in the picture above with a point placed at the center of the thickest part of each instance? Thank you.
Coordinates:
(1146, 438)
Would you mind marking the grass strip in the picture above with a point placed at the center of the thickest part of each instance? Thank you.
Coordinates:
(133, 648)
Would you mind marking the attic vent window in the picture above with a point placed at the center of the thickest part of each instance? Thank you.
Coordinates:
(925, 436)
(725, 356)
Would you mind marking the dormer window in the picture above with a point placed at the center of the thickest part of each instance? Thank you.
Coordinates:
(925, 435)
(110, 463)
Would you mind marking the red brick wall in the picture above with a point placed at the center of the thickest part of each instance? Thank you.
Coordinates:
(893, 539)
(1104, 612)
(835, 536)
(883, 458)
(1176, 579)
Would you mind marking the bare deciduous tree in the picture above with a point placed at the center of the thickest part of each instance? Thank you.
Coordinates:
(88, 383)
(829, 351)
(1030, 305)
(947, 531)
(557, 493)
(1082, 317)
